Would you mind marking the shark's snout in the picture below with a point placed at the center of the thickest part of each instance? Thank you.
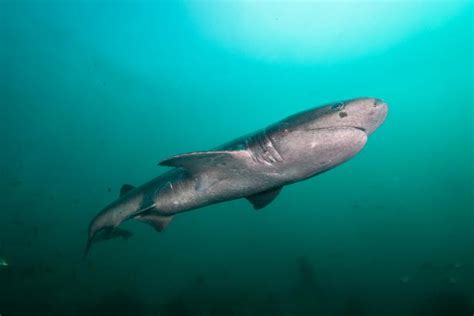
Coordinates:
(376, 116)
(378, 102)
(365, 114)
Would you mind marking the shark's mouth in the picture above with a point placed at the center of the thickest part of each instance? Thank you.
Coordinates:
(359, 128)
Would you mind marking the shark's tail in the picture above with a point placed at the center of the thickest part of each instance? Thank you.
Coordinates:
(106, 233)
(105, 225)
(88, 247)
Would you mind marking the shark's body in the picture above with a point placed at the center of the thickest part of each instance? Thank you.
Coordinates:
(256, 166)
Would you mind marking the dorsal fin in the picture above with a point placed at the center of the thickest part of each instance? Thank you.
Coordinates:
(126, 188)
(262, 199)
(200, 160)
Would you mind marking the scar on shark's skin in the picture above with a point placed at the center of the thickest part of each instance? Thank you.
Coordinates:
(255, 167)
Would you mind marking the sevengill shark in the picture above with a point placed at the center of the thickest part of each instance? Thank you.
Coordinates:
(255, 167)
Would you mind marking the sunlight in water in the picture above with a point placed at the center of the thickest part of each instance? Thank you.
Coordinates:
(316, 31)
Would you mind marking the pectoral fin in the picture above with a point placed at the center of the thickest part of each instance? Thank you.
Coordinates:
(158, 222)
(197, 161)
(262, 199)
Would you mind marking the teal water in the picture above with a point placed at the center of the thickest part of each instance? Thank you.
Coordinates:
(94, 94)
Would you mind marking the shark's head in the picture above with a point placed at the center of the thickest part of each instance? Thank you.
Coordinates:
(365, 114)
(324, 137)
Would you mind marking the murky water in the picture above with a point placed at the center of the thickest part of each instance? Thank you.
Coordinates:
(94, 94)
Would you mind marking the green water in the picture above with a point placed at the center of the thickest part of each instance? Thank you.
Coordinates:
(94, 94)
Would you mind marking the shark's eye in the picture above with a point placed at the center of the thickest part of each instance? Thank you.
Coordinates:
(337, 106)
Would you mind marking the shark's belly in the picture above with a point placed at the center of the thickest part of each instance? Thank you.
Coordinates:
(186, 192)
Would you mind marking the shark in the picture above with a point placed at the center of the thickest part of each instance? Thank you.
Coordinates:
(255, 167)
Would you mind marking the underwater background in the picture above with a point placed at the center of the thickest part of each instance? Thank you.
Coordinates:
(94, 94)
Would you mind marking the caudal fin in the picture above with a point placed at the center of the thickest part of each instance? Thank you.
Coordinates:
(88, 247)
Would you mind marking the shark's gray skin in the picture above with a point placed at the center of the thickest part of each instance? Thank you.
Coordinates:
(255, 166)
